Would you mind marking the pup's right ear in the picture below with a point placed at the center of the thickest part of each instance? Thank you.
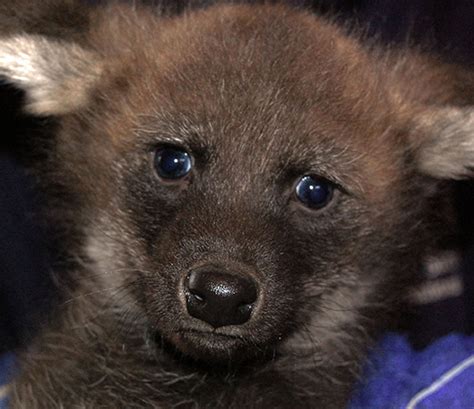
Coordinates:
(57, 77)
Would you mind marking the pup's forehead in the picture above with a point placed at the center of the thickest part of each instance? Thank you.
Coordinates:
(260, 65)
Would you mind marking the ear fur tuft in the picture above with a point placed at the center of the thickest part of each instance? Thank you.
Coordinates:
(447, 150)
(55, 76)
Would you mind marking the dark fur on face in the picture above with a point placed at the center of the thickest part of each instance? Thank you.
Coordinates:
(259, 96)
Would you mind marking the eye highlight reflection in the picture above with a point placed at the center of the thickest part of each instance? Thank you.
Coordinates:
(314, 192)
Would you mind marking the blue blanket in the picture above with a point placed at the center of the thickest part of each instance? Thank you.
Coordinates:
(397, 377)
(439, 377)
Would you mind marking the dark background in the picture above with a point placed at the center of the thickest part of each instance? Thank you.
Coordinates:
(27, 252)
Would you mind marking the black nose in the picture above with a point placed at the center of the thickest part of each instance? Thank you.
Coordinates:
(220, 299)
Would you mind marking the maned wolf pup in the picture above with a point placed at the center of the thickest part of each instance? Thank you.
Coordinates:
(244, 191)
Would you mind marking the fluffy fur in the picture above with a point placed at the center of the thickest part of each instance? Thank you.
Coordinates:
(260, 95)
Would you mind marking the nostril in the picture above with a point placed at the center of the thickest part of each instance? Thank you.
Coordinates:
(198, 297)
(245, 308)
(220, 298)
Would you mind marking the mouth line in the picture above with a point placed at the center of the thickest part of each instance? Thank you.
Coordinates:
(227, 337)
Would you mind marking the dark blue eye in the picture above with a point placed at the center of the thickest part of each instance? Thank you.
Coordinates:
(314, 192)
(172, 163)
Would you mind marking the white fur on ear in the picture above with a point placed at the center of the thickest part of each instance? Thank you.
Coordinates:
(55, 76)
(447, 151)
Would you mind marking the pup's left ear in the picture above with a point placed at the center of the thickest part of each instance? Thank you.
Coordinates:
(445, 142)
(57, 77)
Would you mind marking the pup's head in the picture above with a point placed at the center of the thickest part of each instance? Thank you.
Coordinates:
(246, 177)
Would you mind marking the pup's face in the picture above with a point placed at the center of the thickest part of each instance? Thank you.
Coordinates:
(238, 204)
(246, 187)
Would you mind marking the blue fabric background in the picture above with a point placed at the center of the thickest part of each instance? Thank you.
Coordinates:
(396, 373)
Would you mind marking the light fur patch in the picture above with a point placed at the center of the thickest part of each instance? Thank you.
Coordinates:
(56, 76)
(103, 254)
(330, 333)
(449, 151)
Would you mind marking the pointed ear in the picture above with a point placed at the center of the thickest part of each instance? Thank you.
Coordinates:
(446, 147)
(56, 77)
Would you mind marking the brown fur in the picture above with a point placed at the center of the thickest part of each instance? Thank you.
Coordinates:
(261, 94)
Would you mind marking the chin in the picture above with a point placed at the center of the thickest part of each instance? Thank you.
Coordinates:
(211, 347)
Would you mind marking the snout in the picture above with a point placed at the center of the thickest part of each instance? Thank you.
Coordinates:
(220, 298)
